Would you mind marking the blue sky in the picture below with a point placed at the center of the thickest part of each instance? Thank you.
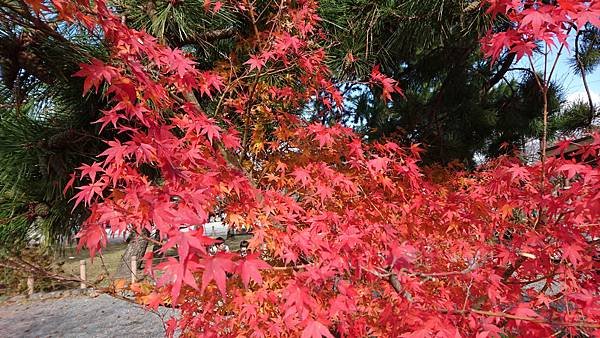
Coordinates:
(572, 83)
(566, 76)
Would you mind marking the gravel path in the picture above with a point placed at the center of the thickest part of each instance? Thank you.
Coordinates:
(81, 316)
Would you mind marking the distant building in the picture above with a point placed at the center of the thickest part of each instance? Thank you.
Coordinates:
(216, 229)
(571, 150)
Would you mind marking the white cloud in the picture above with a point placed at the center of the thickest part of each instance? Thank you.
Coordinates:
(582, 96)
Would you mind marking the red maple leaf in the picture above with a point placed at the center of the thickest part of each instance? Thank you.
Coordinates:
(573, 169)
(211, 131)
(255, 62)
(37, 5)
(153, 300)
(378, 164)
(568, 5)
(216, 268)
(123, 88)
(324, 191)
(537, 17)
(93, 237)
(302, 176)
(402, 255)
(69, 184)
(563, 145)
(95, 73)
(176, 273)
(571, 252)
(315, 329)
(209, 82)
(185, 241)
(249, 267)
(524, 310)
(175, 59)
(90, 170)
(324, 138)
(518, 172)
(523, 48)
(231, 139)
(115, 153)
(590, 15)
(389, 85)
(88, 192)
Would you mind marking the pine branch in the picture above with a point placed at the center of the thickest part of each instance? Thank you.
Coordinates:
(208, 36)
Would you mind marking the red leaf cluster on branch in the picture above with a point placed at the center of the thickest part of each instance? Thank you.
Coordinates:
(533, 21)
(350, 238)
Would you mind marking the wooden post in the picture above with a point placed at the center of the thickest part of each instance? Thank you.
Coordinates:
(133, 269)
(82, 274)
(30, 285)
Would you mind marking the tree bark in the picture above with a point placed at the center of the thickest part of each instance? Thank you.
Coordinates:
(582, 70)
(136, 247)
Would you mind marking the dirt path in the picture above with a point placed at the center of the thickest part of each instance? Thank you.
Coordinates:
(80, 316)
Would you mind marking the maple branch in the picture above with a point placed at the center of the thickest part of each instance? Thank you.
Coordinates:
(523, 318)
(253, 19)
(23, 265)
(512, 268)
(393, 279)
(294, 267)
(441, 274)
(525, 282)
(149, 239)
(556, 60)
(535, 74)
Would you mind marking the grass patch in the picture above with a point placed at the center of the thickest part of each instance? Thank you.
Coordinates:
(96, 269)
(100, 271)
(111, 257)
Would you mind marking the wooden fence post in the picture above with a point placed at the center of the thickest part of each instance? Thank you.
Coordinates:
(82, 274)
(30, 285)
(133, 269)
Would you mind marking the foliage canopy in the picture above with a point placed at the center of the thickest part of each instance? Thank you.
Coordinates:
(350, 238)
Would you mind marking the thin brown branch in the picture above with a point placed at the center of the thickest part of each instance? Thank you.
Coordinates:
(291, 267)
(512, 268)
(208, 36)
(525, 282)
(529, 319)
(395, 283)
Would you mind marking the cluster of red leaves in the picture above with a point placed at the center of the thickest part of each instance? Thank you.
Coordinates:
(349, 238)
(532, 21)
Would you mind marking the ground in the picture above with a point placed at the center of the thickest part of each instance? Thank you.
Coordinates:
(80, 316)
(84, 316)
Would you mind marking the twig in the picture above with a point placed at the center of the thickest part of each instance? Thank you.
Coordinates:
(292, 267)
(522, 318)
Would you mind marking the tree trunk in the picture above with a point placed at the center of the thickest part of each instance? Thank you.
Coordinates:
(136, 247)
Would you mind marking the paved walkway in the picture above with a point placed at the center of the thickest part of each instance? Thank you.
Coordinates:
(80, 316)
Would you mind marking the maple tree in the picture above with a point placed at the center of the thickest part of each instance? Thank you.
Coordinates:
(349, 238)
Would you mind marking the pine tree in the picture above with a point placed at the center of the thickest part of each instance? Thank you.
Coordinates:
(456, 103)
